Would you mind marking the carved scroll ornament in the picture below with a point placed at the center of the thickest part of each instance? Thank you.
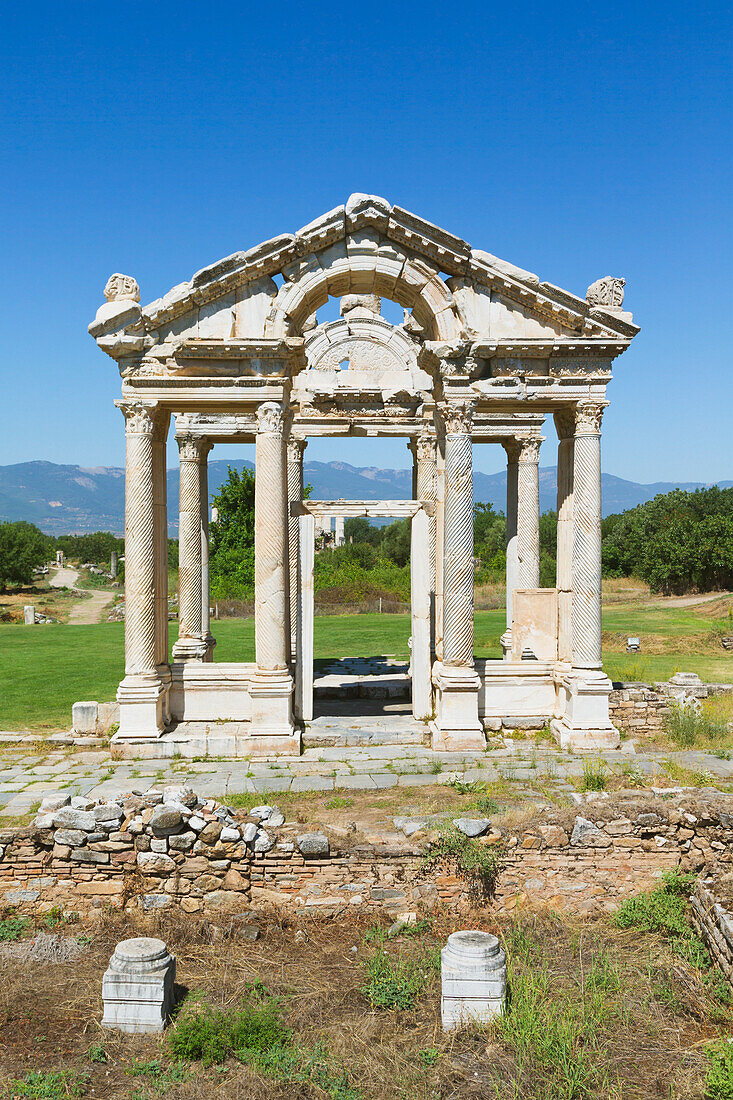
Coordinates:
(121, 288)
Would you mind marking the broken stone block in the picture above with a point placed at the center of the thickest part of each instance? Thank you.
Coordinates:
(84, 718)
(473, 974)
(312, 844)
(137, 987)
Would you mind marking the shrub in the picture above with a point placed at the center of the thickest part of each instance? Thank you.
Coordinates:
(466, 856)
(212, 1036)
(595, 775)
(686, 724)
(662, 910)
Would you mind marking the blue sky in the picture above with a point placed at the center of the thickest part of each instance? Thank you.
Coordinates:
(574, 140)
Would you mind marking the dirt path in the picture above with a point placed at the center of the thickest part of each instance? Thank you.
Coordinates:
(688, 601)
(88, 611)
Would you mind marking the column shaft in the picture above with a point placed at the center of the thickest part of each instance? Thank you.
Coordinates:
(296, 449)
(528, 514)
(586, 608)
(206, 635)
(439, 544)
(160, 495)
(189, 645)
(565, 424)
(458, 547)
(426, 490)
(140, 558)
(270, 542)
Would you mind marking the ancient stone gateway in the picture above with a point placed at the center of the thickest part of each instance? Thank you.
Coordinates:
(485, 352)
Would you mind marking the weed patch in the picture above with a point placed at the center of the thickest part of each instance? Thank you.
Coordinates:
(12, 928)
(46, 1085)
(595, 775)
(719, 1078)
(467, 857)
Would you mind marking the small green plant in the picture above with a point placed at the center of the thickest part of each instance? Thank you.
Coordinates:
(339, 803)
(436, 767)
(595, 775)
(719, 1077)
(212, 1036)
(476, 787)
(394, 982)
(662, 909)
(47, 1085)
(12, 928)
(97, 1053)
(632, 774)
(466, 856)
(686, 724)
(156, 1077)
(429, 1056)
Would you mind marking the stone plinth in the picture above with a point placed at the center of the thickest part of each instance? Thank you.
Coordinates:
(137, 988)
(29, 614)
(473, 973)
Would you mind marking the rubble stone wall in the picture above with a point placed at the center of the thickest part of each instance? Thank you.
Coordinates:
(640, 709)
(715, 925)
(581, 859)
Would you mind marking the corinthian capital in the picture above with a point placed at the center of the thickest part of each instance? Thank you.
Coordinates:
(296, 449)
(192, 448)
(140, 418)
(425, 447)
(529, 449)
(458, 417)
(270, 417)
(588, 417)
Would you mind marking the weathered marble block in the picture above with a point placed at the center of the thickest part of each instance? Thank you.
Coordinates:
(137, 988)
(473, 971)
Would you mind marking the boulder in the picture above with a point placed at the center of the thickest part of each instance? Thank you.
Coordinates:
(312, 844)
(184, 795)
(229, 834)
(165, 821)
(276, 819)
(72, 838)
(181, 842)
(263, 841)
(249, 832)
(211, 832)
(109, 812)
(472, 826)
(260, 812)
(69, 818)
(53, 802)
(154, 863)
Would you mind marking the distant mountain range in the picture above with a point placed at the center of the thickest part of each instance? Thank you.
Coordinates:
(76, 499)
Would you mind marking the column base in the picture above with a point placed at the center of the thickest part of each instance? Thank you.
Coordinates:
(190, 649)
(142, 702)
(584, 722)
(506, 644)
(457, 726)
(209, 641)
(272, 732)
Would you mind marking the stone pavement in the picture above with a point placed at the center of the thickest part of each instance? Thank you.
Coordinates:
(372, 753)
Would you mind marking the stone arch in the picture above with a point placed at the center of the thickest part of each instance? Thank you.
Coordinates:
(362, 265)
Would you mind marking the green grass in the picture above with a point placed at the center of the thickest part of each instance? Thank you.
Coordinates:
(45, 670)
(45, 1085)
(719, 1079)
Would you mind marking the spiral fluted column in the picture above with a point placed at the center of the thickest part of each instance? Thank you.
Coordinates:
(458, 546)
(140, 693)
(190, 645)
(586, 566)
(270, 540)
(528, 514)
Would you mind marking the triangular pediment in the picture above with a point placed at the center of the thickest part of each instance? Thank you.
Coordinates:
(366, 245)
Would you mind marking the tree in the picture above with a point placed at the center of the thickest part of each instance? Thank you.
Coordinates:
(23, 548)
(232, 535)
(96, 547)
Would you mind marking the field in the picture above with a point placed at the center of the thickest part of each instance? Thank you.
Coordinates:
(45, 669)
(340, 1010)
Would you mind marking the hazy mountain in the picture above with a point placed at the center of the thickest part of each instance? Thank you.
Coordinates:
(63, 499)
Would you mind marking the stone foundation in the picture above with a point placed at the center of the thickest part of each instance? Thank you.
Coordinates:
(585, 859)
(714, 921)
(640, 709)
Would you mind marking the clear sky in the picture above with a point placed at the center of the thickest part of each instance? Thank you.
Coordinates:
(573, 140)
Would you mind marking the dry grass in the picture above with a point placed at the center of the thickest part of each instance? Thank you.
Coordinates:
(641, 1015)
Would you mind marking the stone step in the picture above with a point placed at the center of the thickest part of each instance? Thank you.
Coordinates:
(320, 737)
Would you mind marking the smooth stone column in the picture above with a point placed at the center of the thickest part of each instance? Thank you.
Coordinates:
(271, 687)
(296, 450)
(206, 636)
(511, 446)
(473, 979)
(338, 537)
(422, 699)
(565, 425)
(426, 490)
(190, 645)
(457, 723)
(140, 694)
(528, 514)
(305, 611)
(138, 986)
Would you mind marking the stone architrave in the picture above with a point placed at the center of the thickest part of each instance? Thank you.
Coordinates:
(141, 692)
(137, 987)
(271, 686)
(457, 724)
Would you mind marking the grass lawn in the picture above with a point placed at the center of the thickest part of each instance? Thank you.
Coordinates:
(45, 669)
